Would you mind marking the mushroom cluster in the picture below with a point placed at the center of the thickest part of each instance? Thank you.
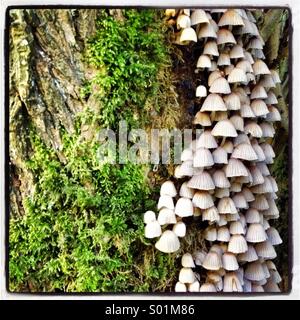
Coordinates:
(224, 177)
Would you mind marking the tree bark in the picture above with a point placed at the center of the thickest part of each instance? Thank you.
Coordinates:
(46, 70)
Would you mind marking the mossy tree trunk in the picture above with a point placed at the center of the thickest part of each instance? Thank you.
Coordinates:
(46, 75)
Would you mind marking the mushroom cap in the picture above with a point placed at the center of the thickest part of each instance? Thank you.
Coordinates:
(232, 101)
(213, 76)
(241, 138)
(259, 67)
(228, 146)
(246, 111)
(249, 256)
(206, 140)
(256, 43)
(237, 52)
(260, 157)
(265, 187)
(201, 91)
(199, 257)
(256, 176)
(184, 207)
(263, 168)
(275, 76)
(179, 229)
(238, 122)
(235, 168)
(220, 85)
(223, 234)
(220, 179)
(222, 221)
(194, 287)
(256, 233)
(166, 216)
(201, 181)
(248, 57)
(232, 283)
(273, 236)
(210, 234)
(185, 191)
(198, 16)
(244, 151)
(149, 216)
(207, 287)
(252, 216)
(253, 129)
(268, 130)
(186, 154)
(219, 116)
(246, 66)
(211, 214)
(254, 271)
(229, 261)
(152, 230)
(231, 18)
(224, 128)
(186, 275)
(168, 189)
(183, 21)
(235, 187)
(203, 200)
(237, 244)
(180, 287)
(271, 286)
(168, 242)
(260, 203)
(204, 61)
(211, 48)
(224, 59)
(237, 75)
(258, 92)
(202, 118)
(187, 261)
(207, 31)
(213, 102)
(225, 36)
(170, 12)
(188, 34)
(248, 194)
(236, 227)
(165, 202)
(220, 155)
(212, 261)
(203, 158)
(185, 169)
(265, 250)
(226, 206)
(259, 108)
(271, 98)
(258, 54)
(267, 81)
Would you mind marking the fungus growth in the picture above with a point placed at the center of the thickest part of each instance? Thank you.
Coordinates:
(224, 175)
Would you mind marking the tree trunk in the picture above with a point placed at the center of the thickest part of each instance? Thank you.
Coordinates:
(46, 75)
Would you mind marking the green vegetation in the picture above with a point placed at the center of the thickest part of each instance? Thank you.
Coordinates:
(128, 54)
(83, 230)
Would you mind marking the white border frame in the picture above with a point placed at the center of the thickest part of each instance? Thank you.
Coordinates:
(294, 5)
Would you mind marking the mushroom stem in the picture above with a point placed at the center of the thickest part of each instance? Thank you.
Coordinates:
(223, 141)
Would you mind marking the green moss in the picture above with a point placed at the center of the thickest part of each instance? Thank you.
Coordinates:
(82, 230)
(128, 54)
